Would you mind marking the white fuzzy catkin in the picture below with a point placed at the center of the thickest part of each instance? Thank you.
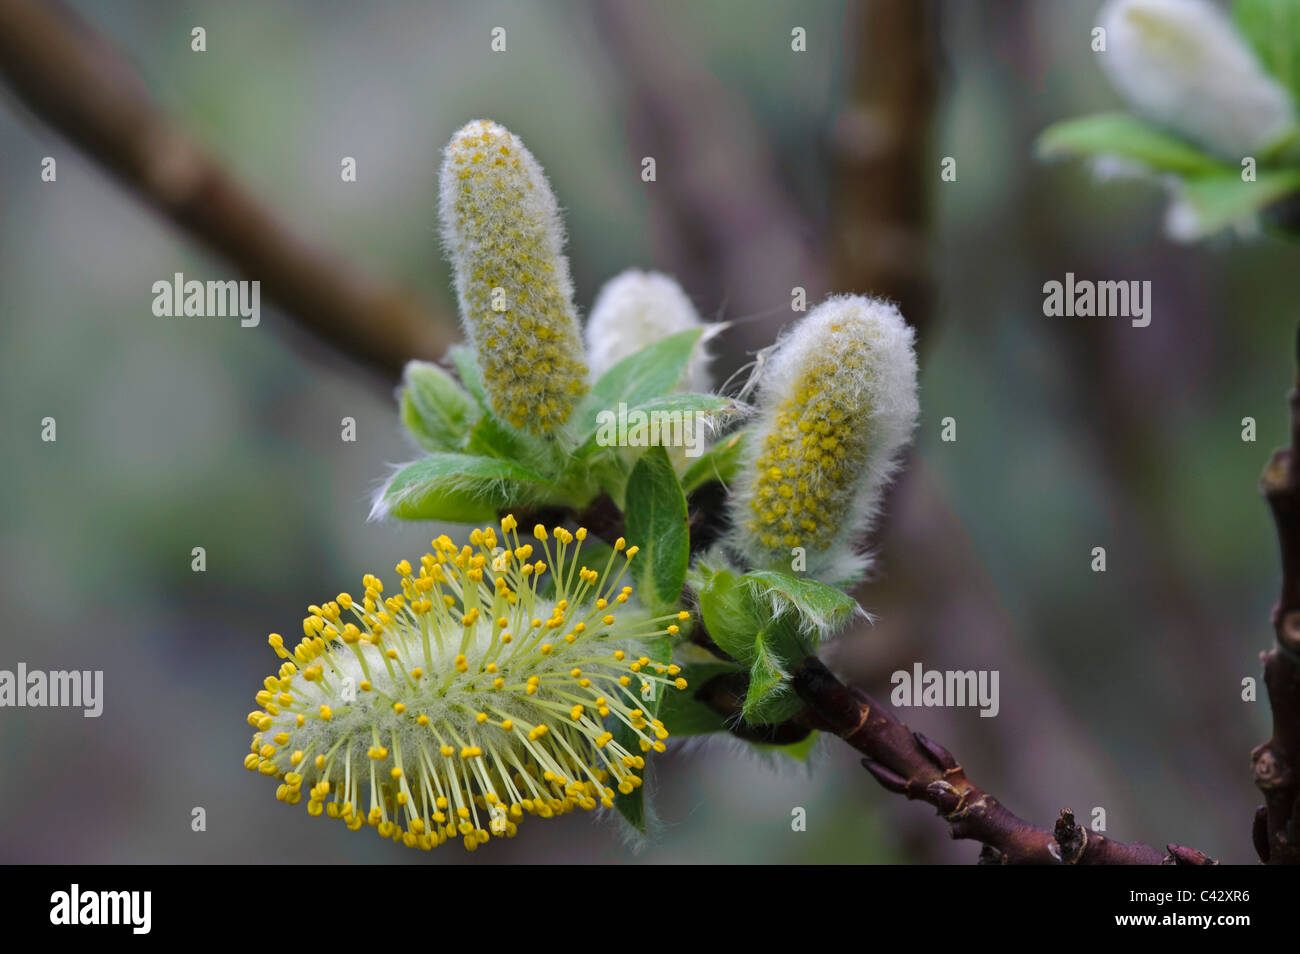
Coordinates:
(503, 235)
(1181, 63)
(837, 403)
(635, 309)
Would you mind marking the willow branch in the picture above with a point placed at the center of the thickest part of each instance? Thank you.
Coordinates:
(907, 763)
(77, 84)
(1277, 761)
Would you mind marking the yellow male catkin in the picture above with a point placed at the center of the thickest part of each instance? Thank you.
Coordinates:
(837, 402)
(466, 700)
(503, 235)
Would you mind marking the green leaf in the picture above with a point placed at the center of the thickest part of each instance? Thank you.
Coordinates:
(632, 805)
(672, 410)
(1127, 137)
(820, 609)
(462, 356)
(1221, 201)
(490, 438)
(770, 698)
(611, 473)
(732, 614)
(718, 463)
(656, 521)
(459, 488)
(682, 713)
(1272, 27)
(436, 410)
(652, 372)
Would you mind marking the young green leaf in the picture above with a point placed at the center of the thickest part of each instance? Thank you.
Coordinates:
(436, 410)
(632, 805)
(1126, 137)
(770, 698)
(732, 614)
(683, 713)
(462, 356)
(1272, 27)
(490, 438)
(1207, 205)
(718, 463)
(656, 521)
(820, 609)
(652, 372)
(671, 409)
(610, 472)
(458, 488)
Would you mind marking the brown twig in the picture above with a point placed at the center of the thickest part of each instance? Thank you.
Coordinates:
(1277, 761)
(74, 82)
(907, 763)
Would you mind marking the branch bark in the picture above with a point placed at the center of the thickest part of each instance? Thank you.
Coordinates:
(907, 763)
(77, 84)
(1277, 772)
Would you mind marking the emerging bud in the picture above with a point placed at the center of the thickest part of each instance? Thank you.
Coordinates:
(634, 310)
(1181, 63)
(502, 231)
(466, 699)
(837, 402)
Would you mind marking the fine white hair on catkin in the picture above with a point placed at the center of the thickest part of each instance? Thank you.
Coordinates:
(633, 310)
(1181, 63)
(837, 403)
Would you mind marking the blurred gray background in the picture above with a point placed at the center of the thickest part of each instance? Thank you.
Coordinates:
(1119, 690)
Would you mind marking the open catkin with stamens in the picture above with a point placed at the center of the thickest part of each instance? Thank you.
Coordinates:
(837, 403)
(503, 235)
(473, 696)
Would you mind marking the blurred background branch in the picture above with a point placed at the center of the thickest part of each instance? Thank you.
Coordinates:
(75, 82)
(880, 153)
